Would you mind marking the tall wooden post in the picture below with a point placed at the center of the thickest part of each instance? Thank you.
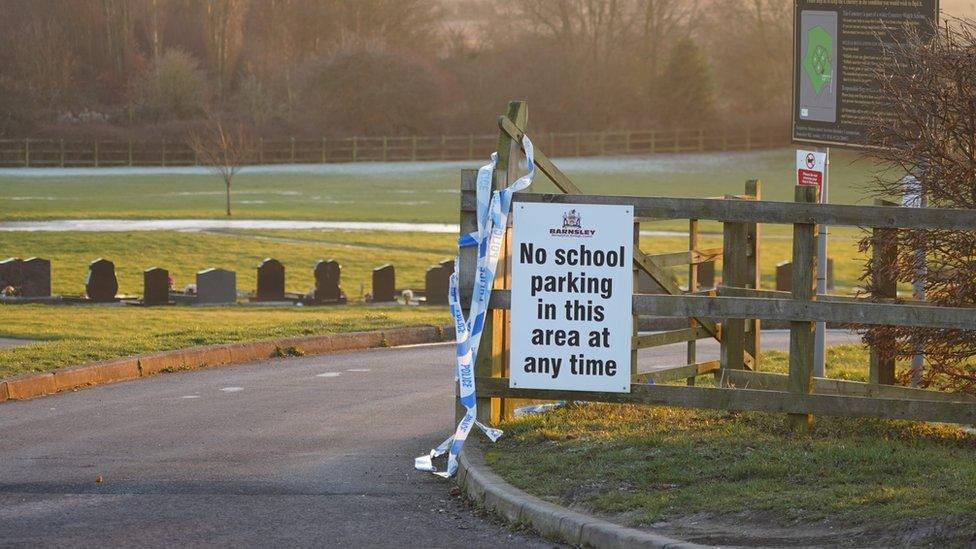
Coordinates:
(734, 246)
(802, 333)
(635, 320)
(753, 273)
(492, 357)
(884, 255)
(692, 353)
(467, 261)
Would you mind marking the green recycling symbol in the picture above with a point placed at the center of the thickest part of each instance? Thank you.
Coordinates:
(817, 63)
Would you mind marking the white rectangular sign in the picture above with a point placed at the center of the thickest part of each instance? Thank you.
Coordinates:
(572, 288)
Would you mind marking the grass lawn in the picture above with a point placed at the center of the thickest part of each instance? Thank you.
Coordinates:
(418, 192)
(77, 334)
(744, 479)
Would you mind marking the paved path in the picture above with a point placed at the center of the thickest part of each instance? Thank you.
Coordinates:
(11, 342)
(314, 451)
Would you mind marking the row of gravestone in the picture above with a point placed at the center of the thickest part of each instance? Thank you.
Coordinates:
(32, 278)
(25, 277)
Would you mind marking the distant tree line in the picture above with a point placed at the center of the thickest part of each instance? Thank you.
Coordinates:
(151, 68)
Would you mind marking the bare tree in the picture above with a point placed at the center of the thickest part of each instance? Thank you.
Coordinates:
(224, 148)
(930, 135)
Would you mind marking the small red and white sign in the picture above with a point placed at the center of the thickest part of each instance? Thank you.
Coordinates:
(810, 168)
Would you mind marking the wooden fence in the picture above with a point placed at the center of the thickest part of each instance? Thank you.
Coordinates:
(95, 153)
(732, 313)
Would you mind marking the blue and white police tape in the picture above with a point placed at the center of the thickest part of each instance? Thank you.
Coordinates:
(492, 217)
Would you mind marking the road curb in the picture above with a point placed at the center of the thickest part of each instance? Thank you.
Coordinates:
(489, 490)
(121, 369)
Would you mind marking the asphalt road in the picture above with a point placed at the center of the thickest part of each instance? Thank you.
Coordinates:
(313, 451)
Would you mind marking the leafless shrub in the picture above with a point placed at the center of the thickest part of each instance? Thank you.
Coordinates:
(224, 147)
(930, 85)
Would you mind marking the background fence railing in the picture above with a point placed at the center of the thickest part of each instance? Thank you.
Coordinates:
(30, 153)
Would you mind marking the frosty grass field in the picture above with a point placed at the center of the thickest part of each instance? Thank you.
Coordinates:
(379, 193)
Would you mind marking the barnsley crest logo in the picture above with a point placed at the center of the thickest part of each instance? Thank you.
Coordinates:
(572, 226)
(572, 219)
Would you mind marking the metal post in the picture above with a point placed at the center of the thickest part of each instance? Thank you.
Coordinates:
(918, 286)
(820, 337)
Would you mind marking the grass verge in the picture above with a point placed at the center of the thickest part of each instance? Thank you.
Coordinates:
(743, 476)
(78, 334)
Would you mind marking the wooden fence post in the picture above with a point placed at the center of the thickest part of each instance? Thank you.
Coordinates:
(802, 333)
(130, 152)
(734, 265)
(62, 154)
(27, 152)
(753, 273)
(260, 150)
(95, 153)
(635, 329)
(467, 266)
(323, 150)
(692, 352)
(385, 148)
(163, 153)
(884, 253)
(470, 147)
(355, 152)
(413, 148)
(492, 357)
(292, 150)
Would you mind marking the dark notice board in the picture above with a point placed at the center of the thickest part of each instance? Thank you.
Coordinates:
(836, 46)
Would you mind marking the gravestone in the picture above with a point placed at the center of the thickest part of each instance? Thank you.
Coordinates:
(216, 286)
(437, 282)
(384, 283)
(101, 285)
(706, 275)
(784, 276)
(327, 281)
(37, 277)
(11, 273)
(155, 286)
(271, 281)
(448, 264)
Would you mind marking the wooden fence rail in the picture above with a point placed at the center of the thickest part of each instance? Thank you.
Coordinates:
(106, 153)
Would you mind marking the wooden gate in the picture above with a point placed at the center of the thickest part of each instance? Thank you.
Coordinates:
(731, 313)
